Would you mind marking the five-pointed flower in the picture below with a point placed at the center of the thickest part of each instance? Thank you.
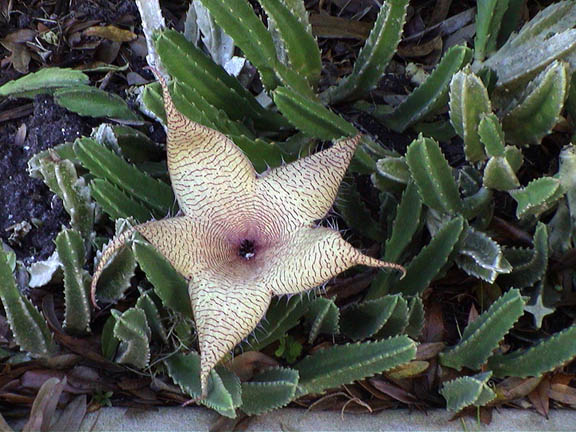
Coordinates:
(244, 237)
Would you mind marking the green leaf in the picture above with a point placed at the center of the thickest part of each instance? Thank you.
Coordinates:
(431, 259)
(269, 390)
(355, 212)
(311, 117)
(539, 109)
(441, 130)
(416, 317)
(547, 37)
(511, 20)
(108, 341)
(363, 320)
(324, 317)
(468, 102)
(499, 175)
(106, 164)
(398, 321)
(150, 309)
(93, 102)
(482, 335)
(432, 93)
(433, 176)
(262, 154)
(466, 391)
(280, 317)
(528, 265)
(152, 103)
(116, 203)
(62, 179)
(237, 18)
(46, 80)
(115, 278)
(131, 329)
(28, 327)
(375, 55)
(405, 225)
(70, 247)
(191, 103)
(170, 286)
(481, 257)
(392, 174)
(130, 142)
(224, 393)
(343, 364)
(301, 47)
(537, 196)
(491, 134)
(546, 356)
(488, 22)
(567, 176)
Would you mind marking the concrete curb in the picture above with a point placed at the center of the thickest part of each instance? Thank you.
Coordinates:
(201, 419)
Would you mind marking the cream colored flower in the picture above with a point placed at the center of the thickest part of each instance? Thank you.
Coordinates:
(244, 237)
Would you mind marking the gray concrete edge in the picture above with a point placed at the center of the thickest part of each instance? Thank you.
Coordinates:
(201, 419)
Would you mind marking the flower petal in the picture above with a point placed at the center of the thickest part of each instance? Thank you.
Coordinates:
(190, 245)
(226, 310)
(309, 257)
(297, 194)
(211, 176)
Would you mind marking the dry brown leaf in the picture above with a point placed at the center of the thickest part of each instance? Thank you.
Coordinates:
(326, 26)
(426, 351)
(16, 43)
(393, 391)
(247, 364)
(563, 393)
(420, 49)
(111, 33)
(515, 388)
(408, 370)
(540, 398)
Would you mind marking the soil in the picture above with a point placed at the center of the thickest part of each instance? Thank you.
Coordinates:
(30, 214)
(27, 200)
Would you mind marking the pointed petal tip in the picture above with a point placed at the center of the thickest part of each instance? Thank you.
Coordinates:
(113, 247)
(349, 141)
(373, 262)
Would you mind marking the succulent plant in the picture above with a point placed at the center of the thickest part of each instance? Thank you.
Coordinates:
(424, 211)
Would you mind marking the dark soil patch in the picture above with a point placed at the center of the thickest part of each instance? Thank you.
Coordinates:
(24, 199)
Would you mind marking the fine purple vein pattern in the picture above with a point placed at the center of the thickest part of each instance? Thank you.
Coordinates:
(243, 237)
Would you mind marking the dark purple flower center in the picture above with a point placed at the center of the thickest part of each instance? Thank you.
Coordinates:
(247, 250)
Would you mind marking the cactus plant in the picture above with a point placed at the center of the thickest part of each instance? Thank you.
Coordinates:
(376, 53)
(324, 317)
(436, 210)
(45, 80)
(482, 335)
(335, 366)
(433, 176)
(539, 110)
(468, 102)
(28, 327)
(469, 390)
(132, 330)
(549, 354)
(268, 390)
(70, 248)
(432, 93)
(225, 393)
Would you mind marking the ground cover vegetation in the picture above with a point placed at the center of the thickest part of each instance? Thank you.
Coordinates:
(459, 117)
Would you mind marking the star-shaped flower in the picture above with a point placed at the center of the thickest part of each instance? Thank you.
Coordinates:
(244, 237)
